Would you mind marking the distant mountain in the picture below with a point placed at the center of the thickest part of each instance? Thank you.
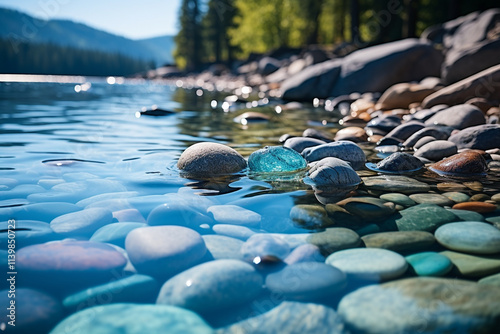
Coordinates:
(21, 27)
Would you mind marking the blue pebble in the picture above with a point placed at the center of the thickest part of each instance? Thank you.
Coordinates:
(429, 264)
(276, 159)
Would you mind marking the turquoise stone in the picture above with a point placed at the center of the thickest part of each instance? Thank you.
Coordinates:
(276, 159)
(429, 264)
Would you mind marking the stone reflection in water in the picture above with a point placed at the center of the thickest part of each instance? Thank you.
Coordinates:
(215, 185)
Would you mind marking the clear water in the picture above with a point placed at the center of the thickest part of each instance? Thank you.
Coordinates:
(50, 133)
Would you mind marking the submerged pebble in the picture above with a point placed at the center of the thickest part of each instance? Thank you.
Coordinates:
(397, 163)
(470, 237)
(264, 248)
(468, 163)
(344, 150)
(276, 159)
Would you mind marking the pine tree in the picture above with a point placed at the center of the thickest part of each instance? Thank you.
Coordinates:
(188, 41)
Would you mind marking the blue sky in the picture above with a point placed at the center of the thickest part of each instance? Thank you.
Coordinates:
(133, 19)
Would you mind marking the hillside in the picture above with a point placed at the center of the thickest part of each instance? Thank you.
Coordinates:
(17, 26)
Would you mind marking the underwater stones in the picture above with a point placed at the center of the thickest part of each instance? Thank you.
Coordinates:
(397, 163)
(395, 183)
(470, 237)
(304, 253)
(459, 117)
(317, 134)
(115, 233)
(434, 132)
(27, 232)
(300, 143)
(222, 247)
(371, 264)
(334, 239)
(400, 241)
(310, 216)
(474, 266)
(208, 159)
(398, 198)
(352, 133)
(212, 286)
(35, 311)
(481, 137)
(84, 222)
(344, 150)
(333, 172)
(421, 217)
(163, 251)
(306, 281)
(276, 159)
(405, 130)
(264, 248)
(133, 319)
(178, 213)
(131, 289)
(234, 214)
(480, 207)
(456, 197)
(429, 264)
(68, 264)
(367, 207)
(410, 306)
(45, 212)
(233, 231)
(436, 150)
(429, 198)
(468, 163)
(291, 318)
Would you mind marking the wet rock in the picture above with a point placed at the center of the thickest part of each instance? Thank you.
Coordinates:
(35, 311)
(429, 198)
(115, 233)
(397, 163)
(292, 318)
(405, 130)
(316, 281)
(334, 239)
(352, 133)
(459, 117)
(310, 216)
(84, 222)
(384, 123)
(491, 280)
(268, 65)
(133, 319)
(333, 172)
(421, 217)
(401, 95)
(234, 214)
(409, 306)
(395, 183)
(467, 88)
(470, 237)
(481, 137)
(300, 143)
(468, 163)
(222, 247)
(180, 214)
(436, 150)
(305, 253)
(473, 266)
(67, 265)
(401, 241)
(429, 264)
(27, 232)
(131, 289)
(45, 211)
(276, 159)
(439, 133)
(457, 197)
(390, 141)
(370, 264)
(163, 251)
(466, 215)
(317, 134)
(368, 208)
(397, 198)
(479, 207)
(208, 159)
(213, 286)
(344, 150)
(233, 231)
(264, 248)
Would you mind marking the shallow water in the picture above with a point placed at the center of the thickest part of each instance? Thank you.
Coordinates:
(57, 135)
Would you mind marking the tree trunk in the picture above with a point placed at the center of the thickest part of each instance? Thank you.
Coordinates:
(355, 37)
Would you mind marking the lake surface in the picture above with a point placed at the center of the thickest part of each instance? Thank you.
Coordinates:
(58, 139)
